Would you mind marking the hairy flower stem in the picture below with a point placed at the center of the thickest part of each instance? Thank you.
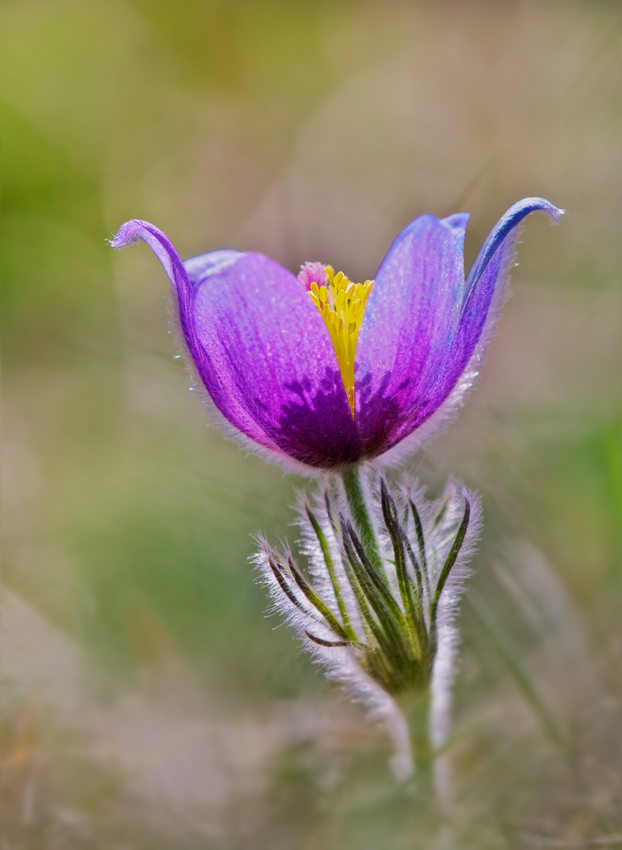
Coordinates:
(376, 603)
(416, 709)
(356, 502)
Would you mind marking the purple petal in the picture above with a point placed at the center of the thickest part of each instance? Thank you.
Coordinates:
(272, 368)
(483, 286)
(503, 228)
(447, 336)
(261, 350)
(135, 230)
(409, 324)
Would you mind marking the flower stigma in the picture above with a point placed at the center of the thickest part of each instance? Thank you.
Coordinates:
(341, 304)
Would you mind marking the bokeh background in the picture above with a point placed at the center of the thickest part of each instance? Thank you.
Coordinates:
(147, 701)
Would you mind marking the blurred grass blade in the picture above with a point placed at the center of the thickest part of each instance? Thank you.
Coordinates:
(515, 668)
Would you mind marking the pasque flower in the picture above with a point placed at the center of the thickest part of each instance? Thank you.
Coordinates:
(321, 373)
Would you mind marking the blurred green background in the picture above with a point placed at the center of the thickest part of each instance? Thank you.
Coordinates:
(147, 701)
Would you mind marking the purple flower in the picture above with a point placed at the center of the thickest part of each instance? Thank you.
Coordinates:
(321, 373)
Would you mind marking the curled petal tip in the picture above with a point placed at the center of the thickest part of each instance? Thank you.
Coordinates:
(128, 234)
(528, 205)
(503, 228)
(517, 212)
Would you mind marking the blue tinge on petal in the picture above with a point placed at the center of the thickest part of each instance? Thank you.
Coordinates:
(202, 266)
(413, 352)
(407, 330)
(502, 229)
(482, 286)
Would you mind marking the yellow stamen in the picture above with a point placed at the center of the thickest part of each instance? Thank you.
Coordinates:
(342, 304)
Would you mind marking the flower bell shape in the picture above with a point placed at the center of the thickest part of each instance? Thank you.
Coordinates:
(320, 373)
